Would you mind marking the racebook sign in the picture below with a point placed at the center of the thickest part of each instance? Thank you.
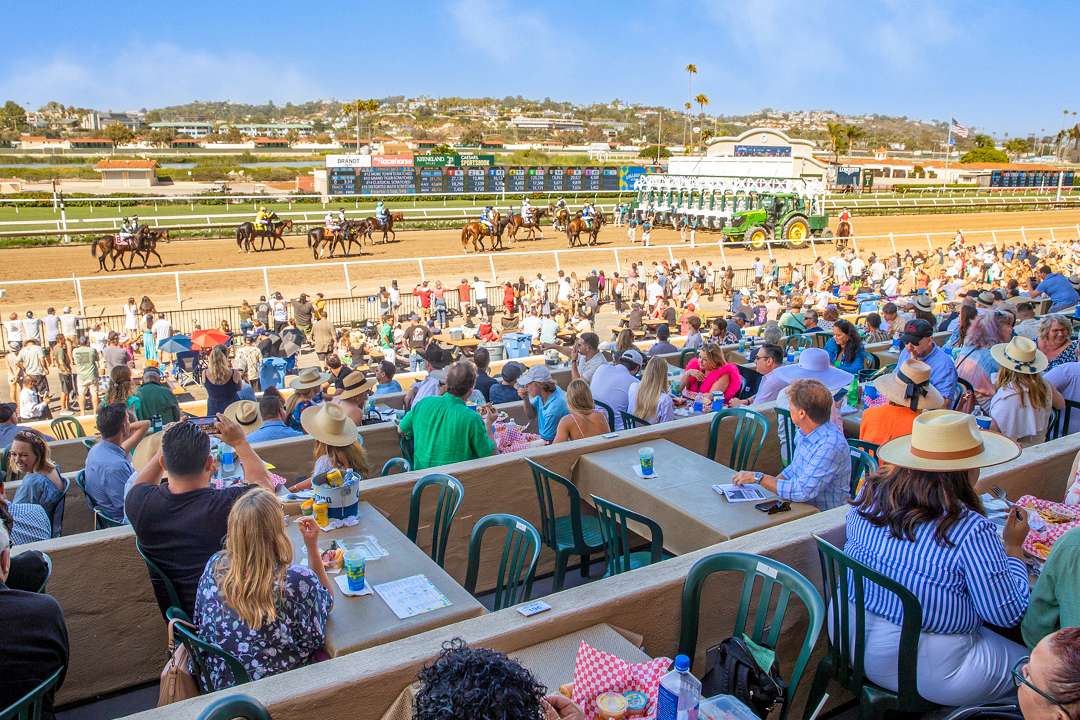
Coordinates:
(348, 161)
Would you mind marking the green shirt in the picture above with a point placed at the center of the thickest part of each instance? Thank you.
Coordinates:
(1055, 599)
(445, 431)
(85, 360)
(156, 399)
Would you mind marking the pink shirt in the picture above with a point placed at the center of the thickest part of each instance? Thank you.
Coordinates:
(729, 370)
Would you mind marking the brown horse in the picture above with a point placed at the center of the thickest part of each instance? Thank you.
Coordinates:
(575, 227)
(476, 231)
(561, 216)
(148, 242)
(318, 239)
(246, 234)
(374, 224)
(111, 247)
(843, 232)
(515, 222)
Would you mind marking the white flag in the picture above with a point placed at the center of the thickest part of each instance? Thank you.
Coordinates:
(957, 129)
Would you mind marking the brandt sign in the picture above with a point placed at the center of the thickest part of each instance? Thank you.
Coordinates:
(355, 161)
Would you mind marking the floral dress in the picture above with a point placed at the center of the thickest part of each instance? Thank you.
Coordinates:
(1069, 354)
(285, 644)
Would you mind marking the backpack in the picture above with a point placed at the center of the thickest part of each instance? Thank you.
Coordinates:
(734, 671)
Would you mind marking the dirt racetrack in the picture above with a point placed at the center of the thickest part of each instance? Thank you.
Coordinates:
(104, 292)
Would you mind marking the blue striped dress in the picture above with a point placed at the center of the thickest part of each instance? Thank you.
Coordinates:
(959, 587)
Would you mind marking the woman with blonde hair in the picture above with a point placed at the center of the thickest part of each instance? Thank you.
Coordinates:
(335, 444)
(222, 383)
(1021, 405)
(1055, 340)
(253, 602)
(710, 372)
(623, 342)
(121, 389)
(649, 398)
(583, 420)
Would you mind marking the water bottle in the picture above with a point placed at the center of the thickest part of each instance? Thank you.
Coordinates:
(156, 424)
(680, 693)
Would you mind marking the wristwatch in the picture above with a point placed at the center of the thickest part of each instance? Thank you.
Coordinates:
(758, 476)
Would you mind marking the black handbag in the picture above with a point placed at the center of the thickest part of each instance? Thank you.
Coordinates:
(733, 671)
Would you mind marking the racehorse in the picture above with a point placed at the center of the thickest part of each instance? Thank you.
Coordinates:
(475, 232)
(843, 232)
(246, 234)
(388, 228)
(111, 247)
(147, 246)
(561, 216)
(351, 232)
(575, 227)
(515, 222)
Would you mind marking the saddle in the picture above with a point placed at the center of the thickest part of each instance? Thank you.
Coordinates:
(124, 243)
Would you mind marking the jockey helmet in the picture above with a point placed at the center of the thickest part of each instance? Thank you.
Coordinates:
(262, 208)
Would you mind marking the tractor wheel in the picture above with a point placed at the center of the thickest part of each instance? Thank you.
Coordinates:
(796, 232)
(826, 236)
(756, 238)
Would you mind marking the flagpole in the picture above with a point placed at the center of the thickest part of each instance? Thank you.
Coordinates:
(948, 152)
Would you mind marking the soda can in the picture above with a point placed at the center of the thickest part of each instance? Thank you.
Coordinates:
(321, 512)
(717, 401)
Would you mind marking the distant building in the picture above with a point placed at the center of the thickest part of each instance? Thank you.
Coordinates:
(279, 130)
(81, 143)
(95, 120)
(522, 122)
(188, 128)
(756, 153)
(127, 173)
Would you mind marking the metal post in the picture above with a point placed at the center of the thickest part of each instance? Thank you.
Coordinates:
(670, 255)
(420, 262)
(892, 241)
(1023, 235)
(813, 247)
(1052, 238)
(929, 243)
(79, 295)
(266, 282)
(491, 264)
(723, 256)
(557, 266)
(618, 265)
(348, 282)
(993, 237)
(179, 300)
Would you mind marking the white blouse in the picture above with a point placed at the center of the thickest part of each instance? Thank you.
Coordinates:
(1019, 420)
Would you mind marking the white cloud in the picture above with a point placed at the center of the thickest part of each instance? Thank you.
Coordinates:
(503, 31)
(154, 74)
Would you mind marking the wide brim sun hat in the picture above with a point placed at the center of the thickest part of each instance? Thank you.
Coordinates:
(309, 378)
(947, 441)
(895, 388)
(328, 424)
(245, 413)
(814, 364)
(1020, 355)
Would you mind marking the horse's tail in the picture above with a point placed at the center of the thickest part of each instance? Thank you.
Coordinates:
(93, 248)
(239, 235)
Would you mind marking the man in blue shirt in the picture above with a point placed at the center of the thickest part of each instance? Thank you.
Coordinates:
(273, 426)
(917, 340)
(544, 400)
(108, 464)
(384, 378)
(820, 469)
(1058, 288)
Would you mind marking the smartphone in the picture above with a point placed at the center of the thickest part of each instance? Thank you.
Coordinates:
(206, 423)
(766, 506)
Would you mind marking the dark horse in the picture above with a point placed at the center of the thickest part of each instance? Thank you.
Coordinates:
(387, 228)
(112, 247)
(246, 234)
(843, 232)
(148, 246)
(575, 227)
(352, 232)
(515, 222)
(475, 232)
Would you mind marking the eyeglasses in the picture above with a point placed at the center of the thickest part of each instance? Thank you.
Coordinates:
(1019, 674)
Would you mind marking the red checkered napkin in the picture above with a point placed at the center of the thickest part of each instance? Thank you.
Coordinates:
(597, 672)
(1040, 543)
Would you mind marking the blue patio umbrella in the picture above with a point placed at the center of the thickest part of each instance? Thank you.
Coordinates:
(175, 344)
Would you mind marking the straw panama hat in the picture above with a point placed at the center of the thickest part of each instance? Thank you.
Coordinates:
(895, 388)
(144, 452)
(1020, 355)
(923, 302)
(355, 384)
(309, 377)
(946, 440)
(245, 413)
(328, 424)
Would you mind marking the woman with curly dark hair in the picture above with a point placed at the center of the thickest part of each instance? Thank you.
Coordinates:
(481, 684)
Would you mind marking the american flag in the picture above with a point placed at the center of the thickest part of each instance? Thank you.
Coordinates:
(957, 129)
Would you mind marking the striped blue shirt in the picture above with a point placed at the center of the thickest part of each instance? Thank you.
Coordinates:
(959, 587)
(820, 469)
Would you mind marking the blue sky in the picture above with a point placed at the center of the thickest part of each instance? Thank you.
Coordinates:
(1001, 66)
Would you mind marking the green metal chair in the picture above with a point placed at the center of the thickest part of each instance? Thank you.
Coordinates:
(686, 354)
(799, 341)
(617, 537)
(773, 576)
(610, 412)
(89, 442)
(170, 588)
(48, 572)
(1053, 428)
(66, 428)
(872, 366)
(746, 441)
(517, 566)
(450, 494)
(101, 518)
(870, 448)
(788, 330)
(843, 662)
(862, 467)
(632, 421)
(787, 438)
(566, 535)
(1067, 415)
(405, 443)
(395, 465)
(200, 651)
(235, 707)
(959, 389)
(30, 706)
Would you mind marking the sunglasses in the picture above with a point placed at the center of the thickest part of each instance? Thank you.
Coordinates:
(1019, 674)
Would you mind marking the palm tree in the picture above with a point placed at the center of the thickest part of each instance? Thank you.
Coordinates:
(686, 120)
(702, 100)
(691, 71)
(838, 136)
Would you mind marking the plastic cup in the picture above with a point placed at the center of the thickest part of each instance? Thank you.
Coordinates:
(354, 569)
(983, 422)
(646, 457)
(698, 405)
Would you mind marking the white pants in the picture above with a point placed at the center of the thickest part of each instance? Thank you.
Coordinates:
(953, 670)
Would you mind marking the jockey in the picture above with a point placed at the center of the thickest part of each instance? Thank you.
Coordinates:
(845, 216)
(488, 218)
(560, 205)
(262, 219)
(526, 210)
(380, 212)
(127, 229)
(587, 214)
(331, 223)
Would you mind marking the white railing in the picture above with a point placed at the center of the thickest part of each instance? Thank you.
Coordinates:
(617, 253)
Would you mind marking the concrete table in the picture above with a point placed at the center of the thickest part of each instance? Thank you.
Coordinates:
(681, 499)
(361, 622)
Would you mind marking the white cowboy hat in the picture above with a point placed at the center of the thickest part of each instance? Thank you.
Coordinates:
(309, 377)
(328, 424)
(1020, 355)
(356, 383)
(946, 440)
(245, 413)
(910, 386)
(923, 302)
(814, 365)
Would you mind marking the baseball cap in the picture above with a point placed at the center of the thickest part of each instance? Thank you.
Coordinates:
(152, 372)
(537, 373)
(511, 371)
(916, 330)
(633, 356)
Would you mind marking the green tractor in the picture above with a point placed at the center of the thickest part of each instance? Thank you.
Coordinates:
(778, 217)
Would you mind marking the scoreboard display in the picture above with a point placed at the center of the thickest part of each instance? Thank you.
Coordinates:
(1031, 178)
(430, 178)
